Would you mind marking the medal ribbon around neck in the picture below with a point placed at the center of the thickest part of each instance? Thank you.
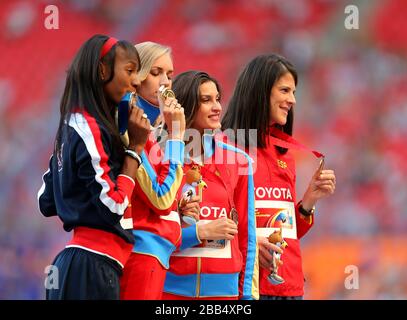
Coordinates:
(284, 140)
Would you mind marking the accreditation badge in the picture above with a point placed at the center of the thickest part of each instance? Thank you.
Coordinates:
(215, 244)
(208, 248)
(272, 215)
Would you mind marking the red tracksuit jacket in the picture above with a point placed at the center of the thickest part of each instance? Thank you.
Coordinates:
(156, 223)
(231, 271)
(276, 206)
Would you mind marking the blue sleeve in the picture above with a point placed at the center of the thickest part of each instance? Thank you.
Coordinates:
(190, 237)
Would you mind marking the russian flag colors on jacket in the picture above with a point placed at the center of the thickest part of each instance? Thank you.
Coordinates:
(219, 269)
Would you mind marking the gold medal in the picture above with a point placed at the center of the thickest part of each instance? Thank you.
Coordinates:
(166, 93)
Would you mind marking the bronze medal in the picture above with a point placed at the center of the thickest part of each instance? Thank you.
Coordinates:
(321, 164)
(233, 215)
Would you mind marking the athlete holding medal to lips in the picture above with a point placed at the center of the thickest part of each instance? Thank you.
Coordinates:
(156, 223)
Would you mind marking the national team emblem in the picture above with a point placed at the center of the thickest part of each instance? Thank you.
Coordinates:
(282, 164)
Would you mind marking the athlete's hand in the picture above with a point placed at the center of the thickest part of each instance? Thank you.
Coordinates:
(138, 129)
(174, 117)
(322, 184)
(190, 208)
(222, 228)
(265, 254)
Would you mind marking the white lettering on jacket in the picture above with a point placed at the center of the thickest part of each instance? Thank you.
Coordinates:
(215, 212)
(276, 193)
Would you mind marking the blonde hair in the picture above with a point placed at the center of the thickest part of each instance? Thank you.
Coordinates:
(149, 52)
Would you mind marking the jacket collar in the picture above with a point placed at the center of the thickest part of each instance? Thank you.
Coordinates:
(208, 143)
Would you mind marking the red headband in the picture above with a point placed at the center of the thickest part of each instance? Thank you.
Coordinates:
(107, 46)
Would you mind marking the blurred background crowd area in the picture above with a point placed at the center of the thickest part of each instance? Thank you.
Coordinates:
(351, 106)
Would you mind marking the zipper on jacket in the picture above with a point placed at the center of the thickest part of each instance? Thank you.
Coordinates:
(198, 276)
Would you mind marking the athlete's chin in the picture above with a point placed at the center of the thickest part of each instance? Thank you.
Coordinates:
(281, 121)
(153, 101)
(214, 126)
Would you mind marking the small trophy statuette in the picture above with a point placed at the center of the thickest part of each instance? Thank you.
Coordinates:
(193, 179)
(277, 239)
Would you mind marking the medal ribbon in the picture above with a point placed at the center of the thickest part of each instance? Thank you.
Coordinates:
(284, 140)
